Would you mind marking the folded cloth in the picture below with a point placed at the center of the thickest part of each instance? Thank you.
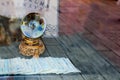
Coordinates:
(37, 66)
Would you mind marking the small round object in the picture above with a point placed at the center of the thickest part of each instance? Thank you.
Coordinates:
(33, 26)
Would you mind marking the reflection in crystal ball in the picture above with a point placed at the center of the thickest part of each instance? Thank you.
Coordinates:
(33, 26)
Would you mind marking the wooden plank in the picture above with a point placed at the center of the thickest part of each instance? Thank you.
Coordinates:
(50, 77)
(107, 54)
(72, 77)
(50, 41)
(96, 42)
(57, 51)
(45, 54)
(111, 58)
(7, 78)
(4, 53)
(32, 77)
(18, 78)
(14, 51)
(79, 54)
(113, 46)
(80, 61)
(106, 69)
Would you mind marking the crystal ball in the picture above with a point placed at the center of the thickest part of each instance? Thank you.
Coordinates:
(33, 25)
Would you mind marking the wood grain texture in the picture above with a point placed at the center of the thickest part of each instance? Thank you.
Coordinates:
(83, 56)
(81, 53)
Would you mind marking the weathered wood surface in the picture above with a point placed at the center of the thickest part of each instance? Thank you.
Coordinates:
(93, 66)
(103, 21)
(99, 17)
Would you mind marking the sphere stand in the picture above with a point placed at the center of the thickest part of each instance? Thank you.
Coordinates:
(31, 47)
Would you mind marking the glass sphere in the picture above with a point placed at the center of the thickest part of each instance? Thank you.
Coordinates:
(33, 25)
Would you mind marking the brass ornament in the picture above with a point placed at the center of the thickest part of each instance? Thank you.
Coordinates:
(32, 47)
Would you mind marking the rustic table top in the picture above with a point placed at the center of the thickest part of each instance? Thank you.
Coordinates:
(92, 64)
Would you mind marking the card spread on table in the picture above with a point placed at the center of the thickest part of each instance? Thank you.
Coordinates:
(37, 66)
